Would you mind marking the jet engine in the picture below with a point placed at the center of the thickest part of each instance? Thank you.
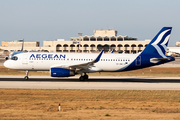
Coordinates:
(61, 72)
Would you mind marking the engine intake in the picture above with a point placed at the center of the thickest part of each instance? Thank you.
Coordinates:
(61, 72)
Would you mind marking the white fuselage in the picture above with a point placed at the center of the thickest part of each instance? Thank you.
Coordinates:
(44, 61)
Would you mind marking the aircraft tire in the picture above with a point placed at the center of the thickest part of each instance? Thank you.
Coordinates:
(86, 77)
(81, 78)
(26, 77)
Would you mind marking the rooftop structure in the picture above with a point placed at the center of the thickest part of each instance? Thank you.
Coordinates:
(18, 43)
(104, 35)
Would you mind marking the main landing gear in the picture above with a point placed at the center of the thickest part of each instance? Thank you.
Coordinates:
(83, 78)
(26, 77)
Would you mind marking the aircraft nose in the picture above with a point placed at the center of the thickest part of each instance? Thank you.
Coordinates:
(7, 64)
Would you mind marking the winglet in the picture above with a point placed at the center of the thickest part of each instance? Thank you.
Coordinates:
(98, 57)
(112, 51)
(22, 45)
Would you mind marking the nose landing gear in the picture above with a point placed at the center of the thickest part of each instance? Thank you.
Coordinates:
(26, 77)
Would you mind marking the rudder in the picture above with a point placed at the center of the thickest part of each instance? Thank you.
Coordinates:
(158, 44)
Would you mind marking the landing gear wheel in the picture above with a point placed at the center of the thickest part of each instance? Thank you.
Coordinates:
(86, 77)
(26, 77)
(81, 78)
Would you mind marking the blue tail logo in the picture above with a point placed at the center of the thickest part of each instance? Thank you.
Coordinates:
(154, 53)
(159, 43)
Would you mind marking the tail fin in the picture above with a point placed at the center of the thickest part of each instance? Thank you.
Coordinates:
(159, 43)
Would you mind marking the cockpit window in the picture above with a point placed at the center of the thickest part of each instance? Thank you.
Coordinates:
(14, 58)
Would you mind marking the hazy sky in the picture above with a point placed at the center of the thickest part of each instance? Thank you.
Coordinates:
(39, 20)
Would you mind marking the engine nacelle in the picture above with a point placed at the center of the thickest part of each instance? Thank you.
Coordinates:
(6, 58)
(61, 72)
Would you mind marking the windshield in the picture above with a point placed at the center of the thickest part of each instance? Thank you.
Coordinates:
(14, 58)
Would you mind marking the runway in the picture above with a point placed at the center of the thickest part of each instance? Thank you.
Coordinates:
(94, 82)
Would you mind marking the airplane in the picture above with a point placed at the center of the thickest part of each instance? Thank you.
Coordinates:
(70, 64)
(173, 51)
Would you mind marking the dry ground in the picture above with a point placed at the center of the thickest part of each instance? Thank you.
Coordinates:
(151, 71)
(89, 104)
(92, 104)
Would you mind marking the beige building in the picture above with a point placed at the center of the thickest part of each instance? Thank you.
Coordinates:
(102, 39)
(178, 44)
(105, 33)
(95, 46)
(16, 45)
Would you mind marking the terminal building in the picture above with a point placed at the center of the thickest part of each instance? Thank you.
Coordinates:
(16, 45)
(102, 39)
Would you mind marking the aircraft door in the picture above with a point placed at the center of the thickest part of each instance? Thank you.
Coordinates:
(25, 59)
(138, 61)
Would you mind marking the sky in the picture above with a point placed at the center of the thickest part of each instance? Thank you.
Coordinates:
(40, 20)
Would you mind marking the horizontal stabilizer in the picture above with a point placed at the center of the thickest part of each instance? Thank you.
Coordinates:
(155, 60)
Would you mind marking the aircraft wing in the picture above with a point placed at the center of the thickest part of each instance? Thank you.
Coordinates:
(112, 51)
(81, 65)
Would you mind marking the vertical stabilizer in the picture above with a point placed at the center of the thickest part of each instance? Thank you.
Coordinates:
(158, 45)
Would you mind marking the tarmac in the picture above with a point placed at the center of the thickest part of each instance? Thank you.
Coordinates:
(94, 82)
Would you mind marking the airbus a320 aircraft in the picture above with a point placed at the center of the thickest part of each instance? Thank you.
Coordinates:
(70, 64)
